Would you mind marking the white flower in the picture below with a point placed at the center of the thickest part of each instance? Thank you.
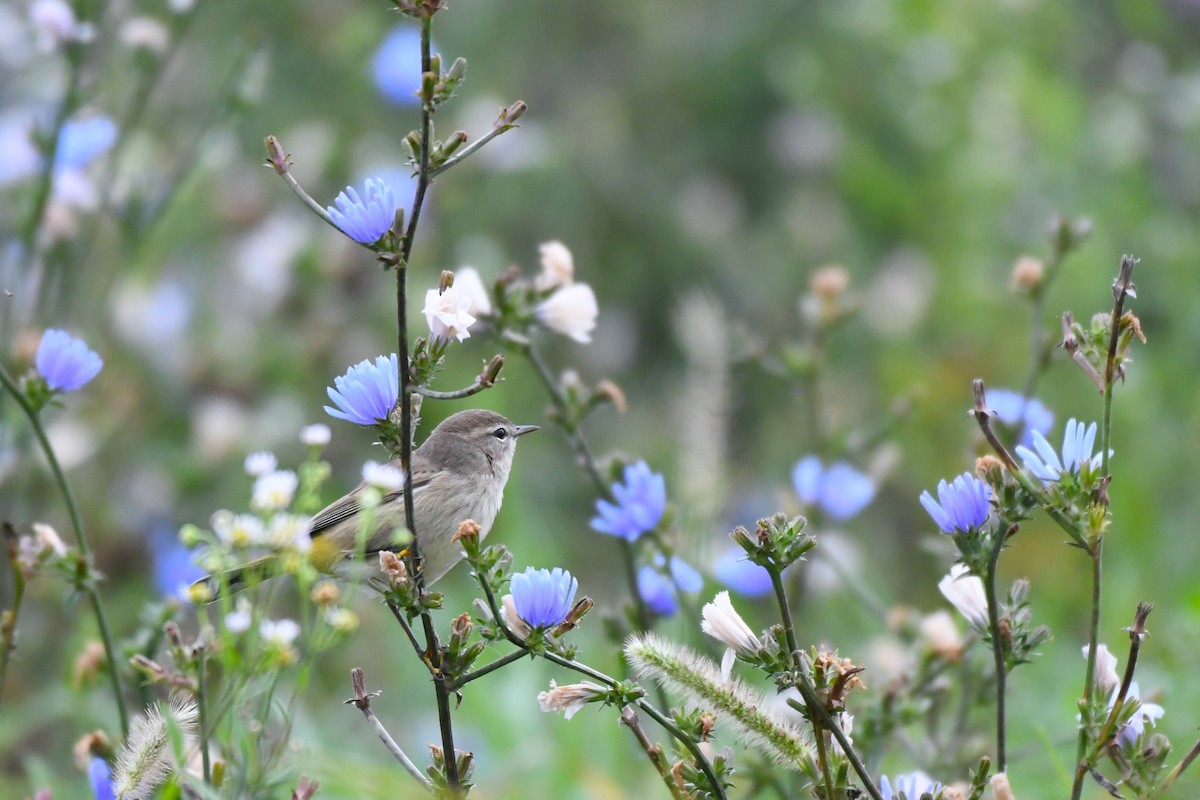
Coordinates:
(274, 490)
(720, 621)
(384, 477)
(279, 632)
(147, 32)
(940, 634)
(238, 620)
(1001, 790)
(558, 266)
(570, 698)
(260, 463)
(316, 435)
(289, 531)
(512, 619)
(468, 282)
(448, 314)
(48, 539)
(238, 530)
(965, 592)
(180, 6)
(1132, 730)
(1106, 676)
(571, 311)
(342, 619)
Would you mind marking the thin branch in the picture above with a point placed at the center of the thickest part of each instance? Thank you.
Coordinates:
(462, 680)
(989, 586)
(1137, 632)
(362, 699)
(110, 650)
(503, 124)
(654, 752)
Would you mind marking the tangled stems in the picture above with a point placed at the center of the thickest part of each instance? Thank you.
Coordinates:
(820, 716)
(718, 789)
(85, 552)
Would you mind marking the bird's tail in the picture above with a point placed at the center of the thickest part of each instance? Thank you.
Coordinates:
(234, 580)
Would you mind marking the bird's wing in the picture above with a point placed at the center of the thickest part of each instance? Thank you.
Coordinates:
(348, 505)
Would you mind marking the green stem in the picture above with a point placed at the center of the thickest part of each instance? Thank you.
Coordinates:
(816, 707)
(989, 585)
(503, 661)
(202, 705)
(110, 650)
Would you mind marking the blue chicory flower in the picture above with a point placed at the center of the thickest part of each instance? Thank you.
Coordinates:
(659, 590)
(367, 392)
(65, 362)
(640, 503)
(1027, 414)
(364, 218)
(913, 785)
(174, 571)
(396, 66)
(841, 490)
(734, 570)
(961, 505)
(543, 597)
(81, 141)
(656, 591)
(100, 778)
(1077, 445)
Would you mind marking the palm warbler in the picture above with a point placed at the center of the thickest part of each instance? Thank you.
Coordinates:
(458, 473)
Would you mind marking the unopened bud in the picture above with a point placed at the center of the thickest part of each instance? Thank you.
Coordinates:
(989, 469)
(276, 158)
(511, 114)
(393, 566)
(1028, 274)
(453, 143)
(88, 663)
(491, 371)
(577, 612)
(325, 593)
(607, 391)
(707, 723)
(457, 70)
(466, 528)
(413, 141)
(828, 283)
(445, 281)
(200, 593)
(90, 746)
(48, 539)
(461, 626)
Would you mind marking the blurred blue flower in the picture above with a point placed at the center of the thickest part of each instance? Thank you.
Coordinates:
(1027, 414)
(65, 362)
(656, 591)
(742, 576)
(961, 505)
(396, 66)
(543, 597)
(364, 221)
(841, 490)
(81, 141)
(1077, 445)
(174, 571)
(641, 500)
(913, 785)
(367, 392)
(100, 778)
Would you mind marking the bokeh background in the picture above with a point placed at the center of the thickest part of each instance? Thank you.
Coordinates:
(701, 161)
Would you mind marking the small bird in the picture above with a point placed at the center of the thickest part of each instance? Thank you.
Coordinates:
(458, 473)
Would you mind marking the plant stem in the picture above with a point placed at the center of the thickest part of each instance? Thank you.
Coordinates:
(989, 585)
(629, 719)
(8, 619)
(816, 708)
(202, 705)
(362, 699)
(110, 651)
(462, 680)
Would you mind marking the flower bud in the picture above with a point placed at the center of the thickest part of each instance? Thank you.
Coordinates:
(828, 283)
(393, 566)
(1001, 789)
(558, 266)
(325, 593)
(989, 469)
(468, 528)
(88, 663)
(1028, 274)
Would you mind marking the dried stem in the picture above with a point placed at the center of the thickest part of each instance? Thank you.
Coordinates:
(629, 719)
(362, 699)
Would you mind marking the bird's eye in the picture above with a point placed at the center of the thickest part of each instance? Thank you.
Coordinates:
(500, 433)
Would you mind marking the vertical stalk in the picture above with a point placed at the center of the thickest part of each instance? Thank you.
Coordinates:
(433, 646)
(989, 585)
(85, 552)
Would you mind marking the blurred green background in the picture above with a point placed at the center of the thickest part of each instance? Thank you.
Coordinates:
(700, 160)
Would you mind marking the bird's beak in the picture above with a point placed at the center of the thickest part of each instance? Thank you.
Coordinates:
(521, 430)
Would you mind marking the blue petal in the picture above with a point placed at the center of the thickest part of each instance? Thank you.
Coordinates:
(656, 591)
(845, 491)
(806, 479)
(742, 576)
(396, 66)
